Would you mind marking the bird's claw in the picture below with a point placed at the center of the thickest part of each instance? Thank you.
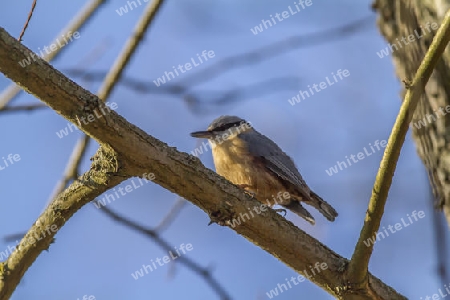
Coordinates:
(251, 194)
(246, 190)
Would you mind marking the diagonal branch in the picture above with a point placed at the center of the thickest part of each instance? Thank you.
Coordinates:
(22, 108)
(240, 60)
(153, 235)
(98, 179)
(136, 153)
(71, 171)
(105, 90)
(358, 267)
(170, 217)
(30, 14)
(79, 21)
(276, 49)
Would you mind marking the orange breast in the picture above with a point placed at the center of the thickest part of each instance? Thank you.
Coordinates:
(236, 165)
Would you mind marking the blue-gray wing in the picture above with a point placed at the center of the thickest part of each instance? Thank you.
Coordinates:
(275, 159)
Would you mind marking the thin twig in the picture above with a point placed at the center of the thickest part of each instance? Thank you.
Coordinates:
(276, 49)
(173, 213)
(129, 49)
(237, 61)
(105, 90)
(25, 107)
(154, 236)
(71, 170)
(30, 14)
(358, 266)
(194, 98)
(262, 88)
(76, 24)
(96, 53)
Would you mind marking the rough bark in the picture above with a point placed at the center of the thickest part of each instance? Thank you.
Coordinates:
(397, 20)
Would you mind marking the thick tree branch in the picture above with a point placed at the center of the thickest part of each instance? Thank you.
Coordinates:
(358, 267)
(98, 179)
(137, 153)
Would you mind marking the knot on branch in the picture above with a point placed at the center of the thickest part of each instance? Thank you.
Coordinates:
(223, 215)
(105, 160)
(349, 287)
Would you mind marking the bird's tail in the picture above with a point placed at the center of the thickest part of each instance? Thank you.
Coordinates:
(325, 209)
(299, 210)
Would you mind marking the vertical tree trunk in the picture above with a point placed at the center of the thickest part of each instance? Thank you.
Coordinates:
(409, 27)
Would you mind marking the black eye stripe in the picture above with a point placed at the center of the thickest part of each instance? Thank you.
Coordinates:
(227, 126)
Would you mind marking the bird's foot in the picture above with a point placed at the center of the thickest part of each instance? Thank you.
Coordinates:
(246, 187)
(250, 193)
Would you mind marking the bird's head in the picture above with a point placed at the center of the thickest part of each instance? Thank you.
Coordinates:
(224, 127)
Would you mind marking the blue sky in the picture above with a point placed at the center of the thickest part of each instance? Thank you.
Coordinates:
(93, 255)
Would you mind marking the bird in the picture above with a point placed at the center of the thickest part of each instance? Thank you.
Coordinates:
(257, 164)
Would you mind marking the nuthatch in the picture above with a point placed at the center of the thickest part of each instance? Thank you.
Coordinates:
(255, 163)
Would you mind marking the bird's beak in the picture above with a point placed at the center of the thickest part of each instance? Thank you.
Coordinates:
(202, 134)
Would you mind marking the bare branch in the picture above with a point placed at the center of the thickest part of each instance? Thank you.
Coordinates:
(205, 273)
(111, 79)
(85, 14)
(276, 49)
(143, 87)
(199, 99)
(358, 267)
(136, 153)
(95, 54)
(71, 171)
(22, 108)
(97, 180)
(233, 62)
(105, 90)
(30, 14)
(173, 213)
